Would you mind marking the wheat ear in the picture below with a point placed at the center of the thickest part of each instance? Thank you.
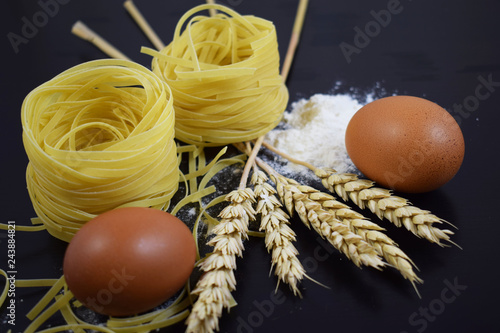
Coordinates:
(279, 236)
(321, 207)
(375, 236)
(215, 286)
(384, 204)
(304, 200)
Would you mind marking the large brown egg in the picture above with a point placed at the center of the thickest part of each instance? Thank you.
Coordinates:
(405, 143)
(129, 260)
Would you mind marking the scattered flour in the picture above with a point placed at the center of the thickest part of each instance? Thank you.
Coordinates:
(314, 131)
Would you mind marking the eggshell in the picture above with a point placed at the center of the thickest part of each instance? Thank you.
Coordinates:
(129, 260)
(405, 143)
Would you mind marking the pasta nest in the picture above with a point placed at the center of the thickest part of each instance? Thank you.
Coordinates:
(224, 74)
(98, 136)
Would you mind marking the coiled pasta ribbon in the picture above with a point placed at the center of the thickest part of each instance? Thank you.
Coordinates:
(224, 75)
(98, 136)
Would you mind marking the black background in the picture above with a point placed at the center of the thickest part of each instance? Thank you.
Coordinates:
(434, 49)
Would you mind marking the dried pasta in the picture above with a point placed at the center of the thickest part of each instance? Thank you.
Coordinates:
(98, 136)
(224, 75)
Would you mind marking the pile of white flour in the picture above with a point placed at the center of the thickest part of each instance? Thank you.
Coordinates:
(314, 131)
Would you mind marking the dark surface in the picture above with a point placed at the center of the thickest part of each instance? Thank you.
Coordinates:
(433, 49)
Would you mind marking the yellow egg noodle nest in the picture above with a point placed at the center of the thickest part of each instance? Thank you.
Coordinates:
(224, 74)
(98, 136)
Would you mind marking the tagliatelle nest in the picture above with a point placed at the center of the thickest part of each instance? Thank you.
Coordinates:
(224, 74)
(98, 136)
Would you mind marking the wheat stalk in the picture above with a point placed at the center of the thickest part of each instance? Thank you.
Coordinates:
(143, 24)
(279, 236)
(305, 201)
(384, 204)
(216, 284)
(81, 30)
(315, 207)
(374, 235)
(371, 233)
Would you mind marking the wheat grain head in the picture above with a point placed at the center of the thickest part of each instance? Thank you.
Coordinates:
(306, 202)
(279, 236)
(384, 204)
(218, 281)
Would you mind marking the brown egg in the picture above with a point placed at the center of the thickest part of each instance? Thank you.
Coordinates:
(129, 260)
(405, 143)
